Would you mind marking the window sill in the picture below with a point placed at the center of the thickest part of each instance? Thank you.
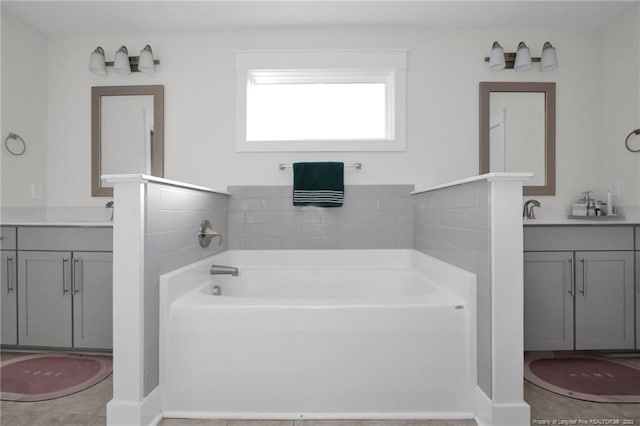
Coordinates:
(322, 145)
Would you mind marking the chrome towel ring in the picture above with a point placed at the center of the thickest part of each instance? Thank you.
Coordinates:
(626, 141)
(21, 146)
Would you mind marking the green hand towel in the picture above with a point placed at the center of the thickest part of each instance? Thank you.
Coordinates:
(318, 184)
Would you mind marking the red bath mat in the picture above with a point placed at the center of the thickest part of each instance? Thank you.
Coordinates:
(585, 376)
(47, 376)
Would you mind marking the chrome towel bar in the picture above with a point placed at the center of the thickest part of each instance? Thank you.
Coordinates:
(357, 166)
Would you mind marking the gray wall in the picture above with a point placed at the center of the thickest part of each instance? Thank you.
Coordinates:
(453, 224)
(173, 217)
(373, 216)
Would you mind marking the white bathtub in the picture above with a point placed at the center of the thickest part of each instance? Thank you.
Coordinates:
(319, 334)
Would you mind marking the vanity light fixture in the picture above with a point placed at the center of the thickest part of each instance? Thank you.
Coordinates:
(97, 63)
(521, 60)
(123, 63)
(496, 60)
(549, 60)
(146, 63)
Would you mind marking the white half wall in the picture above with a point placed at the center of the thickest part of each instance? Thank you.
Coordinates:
(476, 224)
(155, 231)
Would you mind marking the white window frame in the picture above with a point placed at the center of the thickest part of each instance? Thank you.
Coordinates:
(386, 66)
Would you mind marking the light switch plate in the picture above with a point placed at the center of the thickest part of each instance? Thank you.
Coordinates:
(36, 191)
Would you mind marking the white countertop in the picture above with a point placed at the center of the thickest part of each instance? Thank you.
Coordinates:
(43, 222)
(566, 221)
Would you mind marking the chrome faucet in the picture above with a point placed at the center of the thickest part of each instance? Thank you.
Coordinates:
(527, 210)
(109, 205)
(223, 270)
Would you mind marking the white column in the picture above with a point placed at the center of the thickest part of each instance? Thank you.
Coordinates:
(506, 407)
(128, 303)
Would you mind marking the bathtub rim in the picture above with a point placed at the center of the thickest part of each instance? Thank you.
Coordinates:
(198, 298)
(397, 284)
(434, 269)
(196, 275)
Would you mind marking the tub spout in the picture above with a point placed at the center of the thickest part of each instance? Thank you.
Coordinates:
(223, 270)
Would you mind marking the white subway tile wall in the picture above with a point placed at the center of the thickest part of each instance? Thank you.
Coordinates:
(453, 224)
(173, 217)
(372, 217)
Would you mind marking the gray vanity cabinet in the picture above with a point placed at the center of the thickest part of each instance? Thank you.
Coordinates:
(9, 299)
(44, 299)
(65, 297)
(8, 287)
(579, 287)
(92, 300)
(548, 295)
(637, 309)
(604, 300)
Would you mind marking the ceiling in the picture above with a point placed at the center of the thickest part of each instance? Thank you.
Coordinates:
(117, 17)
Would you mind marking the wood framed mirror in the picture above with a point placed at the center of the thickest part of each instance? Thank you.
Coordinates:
(127, 133)
(518, 132)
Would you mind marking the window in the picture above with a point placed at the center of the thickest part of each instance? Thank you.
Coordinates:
(321, 100)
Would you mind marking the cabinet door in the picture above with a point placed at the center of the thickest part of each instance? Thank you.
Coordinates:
(604, 300)
(8, 298)
(44, 299)
(637, 294)
(548, 301)
(92, 300)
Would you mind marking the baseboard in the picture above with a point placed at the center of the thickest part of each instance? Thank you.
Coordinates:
(489, 413)
(133, 413)
(316, 416)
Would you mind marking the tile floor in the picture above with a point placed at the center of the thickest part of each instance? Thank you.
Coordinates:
(87, 408)
(547, 406)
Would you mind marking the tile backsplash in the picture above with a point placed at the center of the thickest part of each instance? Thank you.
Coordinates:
(372, 217)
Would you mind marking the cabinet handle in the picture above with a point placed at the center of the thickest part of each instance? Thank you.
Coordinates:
(65, 262)
(583, 291)
(8, 271)
(572, 283)
(77, 281)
